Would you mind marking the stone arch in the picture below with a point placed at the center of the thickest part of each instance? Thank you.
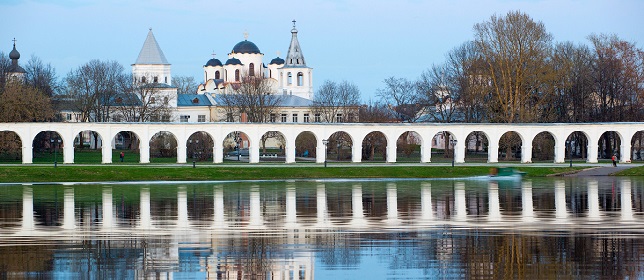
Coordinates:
(272, 146)
(48, 147)
(510, 145)
(409, 145)
(543, 146)
(442, 145)
(88, 147)
(10, 147)
(339, 147)
(476, 146)
(235, 146)
(305, 145)
(163, 147)
(576, 145)
(199, 147)
(374, 146)
(637, 146)
(609, 144)
(128, 143)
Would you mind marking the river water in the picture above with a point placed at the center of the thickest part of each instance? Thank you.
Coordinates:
(477, 228)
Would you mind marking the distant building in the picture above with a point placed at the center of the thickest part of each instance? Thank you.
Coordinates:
(15, 72)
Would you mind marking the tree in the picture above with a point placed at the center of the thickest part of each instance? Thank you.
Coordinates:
(24, 103)
(402, 97)
(144, 102)
(41, 76)
(94, 86)
(185, 84)
(252, 100)
(337, 102)
(515, 50)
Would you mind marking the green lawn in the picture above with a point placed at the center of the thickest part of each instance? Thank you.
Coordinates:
(71, 173)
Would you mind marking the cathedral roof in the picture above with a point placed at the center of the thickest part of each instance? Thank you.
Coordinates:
(214, 62)
(277, 60)
(246, 47)
(151, 53)
(233, 61)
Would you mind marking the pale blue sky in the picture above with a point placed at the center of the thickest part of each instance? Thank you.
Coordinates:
(361, 41)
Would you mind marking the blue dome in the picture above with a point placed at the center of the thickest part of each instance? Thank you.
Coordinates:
(233, 61)
(214, 62)
(246, 47)
(277, 60)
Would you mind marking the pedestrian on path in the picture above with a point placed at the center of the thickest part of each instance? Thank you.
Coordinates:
(614, 158)
(122, 156)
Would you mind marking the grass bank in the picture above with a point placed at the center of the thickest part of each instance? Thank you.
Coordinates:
(69, 173)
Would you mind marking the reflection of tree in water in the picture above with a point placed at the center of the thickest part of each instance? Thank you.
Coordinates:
(341, 250)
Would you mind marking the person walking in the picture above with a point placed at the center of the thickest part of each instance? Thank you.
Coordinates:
(122, 156)
(614, 158)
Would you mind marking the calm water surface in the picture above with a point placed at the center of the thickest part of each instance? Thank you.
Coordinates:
(575, 228)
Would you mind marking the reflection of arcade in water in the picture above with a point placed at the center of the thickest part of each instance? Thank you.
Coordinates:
(205, 225)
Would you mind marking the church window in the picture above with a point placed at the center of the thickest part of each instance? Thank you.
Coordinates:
(166, 80)
(184, 118)
(143, 80)
(216, 74)
(251, 69)
(273, 118)
(306, 118)
(338, 118)
(270, 73)
(300, 79)
(165, 118)
(237, 75)
(317, 118)
(289, 80)
(298, 61)
(283, 117)
(201, 118)
(295, 117)
(69, 117)
(156, 79)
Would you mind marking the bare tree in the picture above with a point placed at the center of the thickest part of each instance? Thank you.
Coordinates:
(337, 102)
(144, 102)
(93, 86)
(251, 100)
(515, 49)
(401, 95)
(185, 84)
(41, 76)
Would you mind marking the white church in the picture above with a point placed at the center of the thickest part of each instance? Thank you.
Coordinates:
(289, 77)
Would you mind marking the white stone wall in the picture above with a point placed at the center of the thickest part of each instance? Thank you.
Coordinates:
(357, 132)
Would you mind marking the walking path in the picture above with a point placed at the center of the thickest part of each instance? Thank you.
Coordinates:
(601, 171)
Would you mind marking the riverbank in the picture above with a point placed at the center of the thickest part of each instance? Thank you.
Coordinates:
(96, 173)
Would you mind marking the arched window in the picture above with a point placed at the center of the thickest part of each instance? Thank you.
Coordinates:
(270, 73)
(300, 79)
(251, 69)
(216, 74)
(237, 75)
(289, 80)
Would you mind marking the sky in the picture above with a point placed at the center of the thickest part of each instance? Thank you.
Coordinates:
(360, 41)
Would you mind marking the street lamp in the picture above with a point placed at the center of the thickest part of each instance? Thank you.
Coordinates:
(326, 143)
(53, 142)
(194, 151)
(453, 142)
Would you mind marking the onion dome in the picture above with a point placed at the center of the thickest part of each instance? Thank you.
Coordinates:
(14, 54)
(246, 47)
(214, 62)
(277, 60)
(233, 61)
